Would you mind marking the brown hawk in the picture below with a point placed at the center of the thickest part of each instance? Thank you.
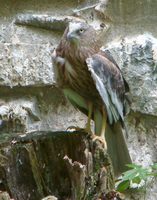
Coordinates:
(93, 83)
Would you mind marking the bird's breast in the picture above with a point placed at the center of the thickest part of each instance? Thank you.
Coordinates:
(70, 72)
(79, 79)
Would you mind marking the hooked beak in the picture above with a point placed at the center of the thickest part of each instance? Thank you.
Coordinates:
(71, 37)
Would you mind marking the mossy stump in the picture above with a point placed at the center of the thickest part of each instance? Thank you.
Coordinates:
(67, 165)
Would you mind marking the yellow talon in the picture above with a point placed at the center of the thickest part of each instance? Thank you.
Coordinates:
(101, 140)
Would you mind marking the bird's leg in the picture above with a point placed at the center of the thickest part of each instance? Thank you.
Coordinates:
(104, 120)
(103, 128)
(100, 121)
(90, 110)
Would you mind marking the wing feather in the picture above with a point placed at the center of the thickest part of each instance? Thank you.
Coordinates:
(110, 85)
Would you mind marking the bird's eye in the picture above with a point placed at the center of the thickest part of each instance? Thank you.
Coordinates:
(81, 30)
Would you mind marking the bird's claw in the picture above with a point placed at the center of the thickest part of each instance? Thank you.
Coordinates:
(100, 140)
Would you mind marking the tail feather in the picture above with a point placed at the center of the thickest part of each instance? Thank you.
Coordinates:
(117, 148)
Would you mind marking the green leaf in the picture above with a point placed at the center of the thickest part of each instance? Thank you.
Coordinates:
(133, 166)
(136, 180)
(143, 173)
(136, 174)
(130, 174)
(124, 185)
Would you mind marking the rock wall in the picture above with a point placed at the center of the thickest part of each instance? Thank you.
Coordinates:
(29, 99)
(137, 58)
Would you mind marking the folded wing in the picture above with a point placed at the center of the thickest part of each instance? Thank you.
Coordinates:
(110, 85)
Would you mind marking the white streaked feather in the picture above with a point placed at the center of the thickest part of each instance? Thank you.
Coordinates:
(73, 26)
(70, 72)
(113, 105)
(100, 87)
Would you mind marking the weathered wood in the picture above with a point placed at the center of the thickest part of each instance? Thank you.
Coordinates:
(63, 164)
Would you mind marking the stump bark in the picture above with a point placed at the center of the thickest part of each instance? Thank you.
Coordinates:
(66, 165)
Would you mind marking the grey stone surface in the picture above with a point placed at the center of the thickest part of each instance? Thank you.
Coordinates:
(138, 61)
(136, 57)
(42, 109)
(45, 21)
(19, 114)
(142, 142)
(25, 64)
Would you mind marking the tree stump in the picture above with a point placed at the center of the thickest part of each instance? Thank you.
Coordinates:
(66, 165)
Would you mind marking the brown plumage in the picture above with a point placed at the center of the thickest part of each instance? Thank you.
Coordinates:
(93, 83)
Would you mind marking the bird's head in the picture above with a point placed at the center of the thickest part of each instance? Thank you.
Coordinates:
(78, 31)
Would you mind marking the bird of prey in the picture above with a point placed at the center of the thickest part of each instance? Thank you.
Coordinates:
(93, 83)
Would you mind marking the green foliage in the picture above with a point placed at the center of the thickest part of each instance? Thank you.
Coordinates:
(136, 177)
